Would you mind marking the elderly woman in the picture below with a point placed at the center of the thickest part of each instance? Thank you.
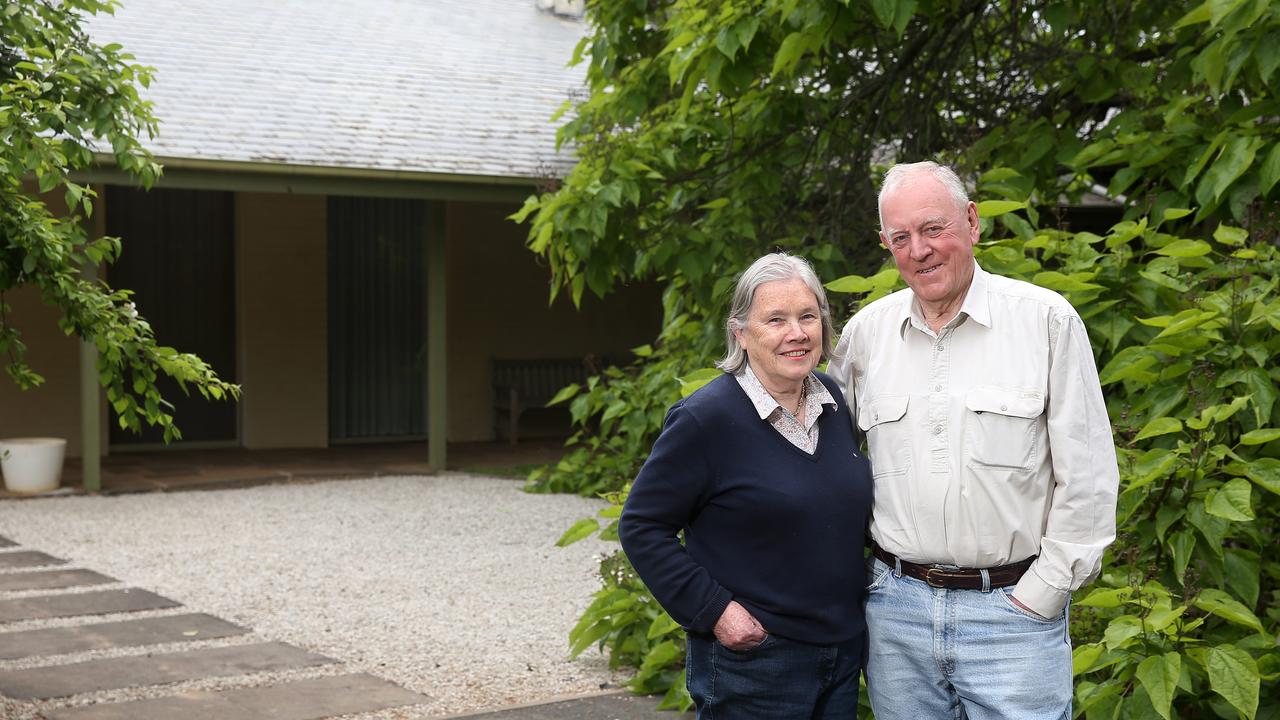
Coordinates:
(760, 470)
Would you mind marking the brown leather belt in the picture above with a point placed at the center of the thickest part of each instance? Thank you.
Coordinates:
(956, 578)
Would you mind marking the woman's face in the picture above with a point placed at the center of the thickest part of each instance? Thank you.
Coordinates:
(782, 334)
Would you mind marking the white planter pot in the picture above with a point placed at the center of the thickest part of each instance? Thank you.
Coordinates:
(32, 465)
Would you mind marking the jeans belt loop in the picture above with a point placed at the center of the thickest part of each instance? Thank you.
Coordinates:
(897, 567)
(986, 580)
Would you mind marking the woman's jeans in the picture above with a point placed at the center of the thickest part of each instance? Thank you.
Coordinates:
(941, 653)
(779, 679)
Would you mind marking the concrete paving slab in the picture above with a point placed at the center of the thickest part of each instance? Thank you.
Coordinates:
(99, 602)
(619, 705)
(28, 558)
(124, 633)
(301, 700)
(51, 579)
(138, 671)
(6, 542)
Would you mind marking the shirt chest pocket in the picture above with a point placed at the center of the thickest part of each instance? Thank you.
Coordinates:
(1003, 426)
(881, 419)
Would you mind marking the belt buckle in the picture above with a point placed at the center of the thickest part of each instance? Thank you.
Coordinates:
(929, 580)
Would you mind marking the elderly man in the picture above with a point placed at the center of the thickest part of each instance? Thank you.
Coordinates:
(994, 471)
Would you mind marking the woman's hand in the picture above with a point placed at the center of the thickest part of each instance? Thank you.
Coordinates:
(737, 628)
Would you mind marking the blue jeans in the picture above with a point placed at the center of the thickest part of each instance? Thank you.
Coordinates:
(779, 679)
(938, 653)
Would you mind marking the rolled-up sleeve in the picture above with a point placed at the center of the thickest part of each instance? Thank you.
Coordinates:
(674, 483)
(1081, 519)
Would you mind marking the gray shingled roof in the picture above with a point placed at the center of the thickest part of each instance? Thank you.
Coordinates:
(455, 87)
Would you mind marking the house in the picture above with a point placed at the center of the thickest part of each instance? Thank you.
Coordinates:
(330, 231)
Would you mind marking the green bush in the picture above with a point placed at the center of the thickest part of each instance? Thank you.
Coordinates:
(1184, 621)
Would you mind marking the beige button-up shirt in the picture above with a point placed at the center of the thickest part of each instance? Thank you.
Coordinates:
(989, 441)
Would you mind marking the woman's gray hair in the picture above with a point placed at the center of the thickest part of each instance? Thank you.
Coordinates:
(904, 173)
(770, 268)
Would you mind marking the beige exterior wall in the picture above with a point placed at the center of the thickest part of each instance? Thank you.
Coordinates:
(497, 308)
(282, 320)
(53, 408)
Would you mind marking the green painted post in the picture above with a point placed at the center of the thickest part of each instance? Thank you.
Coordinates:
(437, 324)
(90, 411)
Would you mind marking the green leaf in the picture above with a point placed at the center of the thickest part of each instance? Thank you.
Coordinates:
(615, 409)
(1265, 472)
(565, 393)
(1231, 501)
(1236, 158)
(1159, 675)
(1159, 426)
(1054, 280)
(1180, 545)
(661, 625)
(789, 53)
(1228, 235)
(714, 204)
(882, 280)
(662, 655)
(885, 11)
(1269, 173)
(1185, 248)
(1240, 569)
(1121, 630)
(579, 530)
(1217, 602)
(996, 208)
(1199, 15)
(1260, 436)
(850, 284)
(1233, 674)
(691, 382)
(1175, 213)
(906, 9)
(1106, 597)
(1132, 363)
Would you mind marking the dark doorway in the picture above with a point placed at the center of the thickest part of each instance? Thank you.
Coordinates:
(377, 319)
(179, 261)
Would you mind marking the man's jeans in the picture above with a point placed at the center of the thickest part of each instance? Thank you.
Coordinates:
(780, 679)
(938, 653)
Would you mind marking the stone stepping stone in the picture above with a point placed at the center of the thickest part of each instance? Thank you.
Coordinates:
(51, 579)
(618, 705)
(301, 700)
(124, 633)
(6, 542)
(140, 670)
(99, 602)
(28, 558)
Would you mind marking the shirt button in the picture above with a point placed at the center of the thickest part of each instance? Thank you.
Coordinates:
(937, 430)
(1004, 407)
(937, 388)
(875, 416)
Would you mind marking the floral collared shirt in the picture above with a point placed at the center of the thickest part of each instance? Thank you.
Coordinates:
(802, 435)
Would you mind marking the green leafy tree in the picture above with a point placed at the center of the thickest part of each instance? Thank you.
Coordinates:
(62, 98)
(717, 130)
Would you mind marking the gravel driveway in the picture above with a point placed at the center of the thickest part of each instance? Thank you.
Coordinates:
(449, 585)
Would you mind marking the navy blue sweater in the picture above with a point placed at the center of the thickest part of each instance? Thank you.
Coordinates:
(766, 524)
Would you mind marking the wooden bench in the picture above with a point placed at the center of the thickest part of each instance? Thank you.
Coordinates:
(522, 385)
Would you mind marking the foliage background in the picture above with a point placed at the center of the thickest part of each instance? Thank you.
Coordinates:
(717, 130)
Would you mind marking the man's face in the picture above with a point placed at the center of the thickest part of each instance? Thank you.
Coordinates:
(931, 239)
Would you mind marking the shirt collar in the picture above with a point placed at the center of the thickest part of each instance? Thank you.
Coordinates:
(976, 305)
(765, 405)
